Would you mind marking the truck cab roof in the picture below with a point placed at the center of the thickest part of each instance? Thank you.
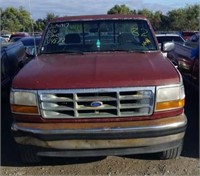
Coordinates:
(98, 17)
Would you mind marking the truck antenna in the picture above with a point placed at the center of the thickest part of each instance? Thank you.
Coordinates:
(32, 28)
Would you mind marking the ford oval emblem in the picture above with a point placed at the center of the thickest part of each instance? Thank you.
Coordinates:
(96, 104)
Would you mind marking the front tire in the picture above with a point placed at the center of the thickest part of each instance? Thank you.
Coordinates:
(28, 154)
(173, 153)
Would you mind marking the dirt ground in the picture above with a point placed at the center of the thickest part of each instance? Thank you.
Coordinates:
(148, 164)
(110, 166)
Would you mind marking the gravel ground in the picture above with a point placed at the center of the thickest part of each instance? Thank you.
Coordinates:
(111, 166)
(187, 164)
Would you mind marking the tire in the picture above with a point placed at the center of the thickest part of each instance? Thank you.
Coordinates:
(28, 154)
(173, 153)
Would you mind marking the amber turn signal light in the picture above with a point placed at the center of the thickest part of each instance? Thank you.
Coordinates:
(170, 104)
(21, 109)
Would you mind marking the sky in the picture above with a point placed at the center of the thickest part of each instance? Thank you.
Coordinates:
(40, 8)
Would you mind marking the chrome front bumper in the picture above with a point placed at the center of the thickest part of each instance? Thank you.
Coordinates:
(89, 139)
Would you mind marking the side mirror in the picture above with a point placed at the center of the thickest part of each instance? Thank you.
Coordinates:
(167, 46)
(30, 51)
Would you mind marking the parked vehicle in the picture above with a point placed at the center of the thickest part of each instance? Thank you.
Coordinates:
(187, 34)
(163, 38)
(3, 40)
(16, 36)
(168, 38)
(193, 41)
(81, 98)
(12, 58)
(37, 34)
(6, 36)
(31, 44)
(15, 39)
(188, 63)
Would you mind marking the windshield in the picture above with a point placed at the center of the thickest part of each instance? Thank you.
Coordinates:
(99, 35)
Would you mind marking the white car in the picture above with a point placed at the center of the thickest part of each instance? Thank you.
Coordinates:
(3, 40)
(6, 36)
(168, 38)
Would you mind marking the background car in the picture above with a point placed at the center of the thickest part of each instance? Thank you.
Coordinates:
(168, 38)
(185, 56)
(6, 36)
(37, 34)
(18, 36)
(31, 44)
(15, 39)
(193, 40)
(3, 40)
(187, 34)
(12, 59)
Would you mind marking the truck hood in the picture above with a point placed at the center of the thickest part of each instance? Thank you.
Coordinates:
(96, 70)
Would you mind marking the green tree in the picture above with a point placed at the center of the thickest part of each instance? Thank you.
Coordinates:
(165, 23)
(192, 17)
(51, 16)
(145, 12)
(41, 23)
(177, 19)
(156, 20)
(25, 19)
(185, 18)
(14, 20)
(121, 9)
(150, 16)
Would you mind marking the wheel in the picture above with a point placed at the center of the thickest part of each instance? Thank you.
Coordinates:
(28, 154)
(172, 153)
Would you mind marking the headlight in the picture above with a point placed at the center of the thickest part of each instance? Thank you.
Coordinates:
(169, 97)
(24, 102)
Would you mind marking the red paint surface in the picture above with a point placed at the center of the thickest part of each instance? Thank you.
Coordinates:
(155, 115)
(96, 70)
(97, 17)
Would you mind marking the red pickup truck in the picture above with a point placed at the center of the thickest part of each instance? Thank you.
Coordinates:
(99, 86)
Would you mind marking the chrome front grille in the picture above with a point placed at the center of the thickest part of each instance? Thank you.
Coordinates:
(97, 103)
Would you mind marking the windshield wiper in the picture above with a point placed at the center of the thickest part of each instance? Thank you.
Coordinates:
(73, 51)
(131, 51)
(65, 51)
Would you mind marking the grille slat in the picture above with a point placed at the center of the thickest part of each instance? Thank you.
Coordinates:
(135, 106)
(56, 97)
(134, 97)
(56, 106)
(98, 113)
(58, 114)
(92, 108)
(97, 103)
